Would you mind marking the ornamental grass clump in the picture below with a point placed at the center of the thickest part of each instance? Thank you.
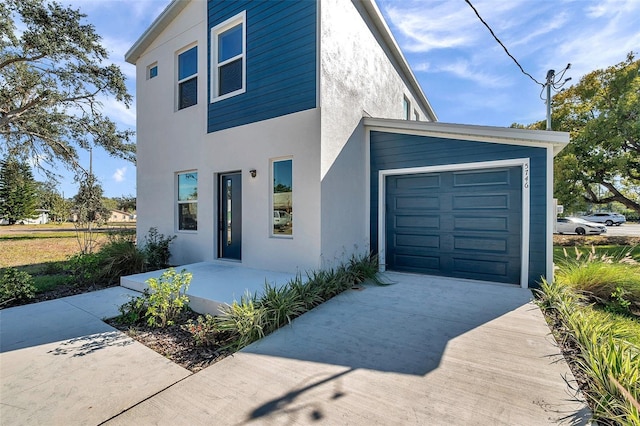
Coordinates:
(583, 299)
(255, 316)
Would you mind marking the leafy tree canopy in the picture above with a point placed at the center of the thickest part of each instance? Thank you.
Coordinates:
(17, 191)
(601, 165)
(52, 82)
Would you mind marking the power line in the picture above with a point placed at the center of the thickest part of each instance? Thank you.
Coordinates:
(503, 46)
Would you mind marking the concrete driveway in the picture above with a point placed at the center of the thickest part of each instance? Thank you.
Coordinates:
(425, 350)
(60, 364)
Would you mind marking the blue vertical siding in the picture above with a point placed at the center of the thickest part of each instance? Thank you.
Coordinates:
(395, 151)
(281, 60)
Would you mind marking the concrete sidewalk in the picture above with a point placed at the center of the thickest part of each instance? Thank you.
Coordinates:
(426, 350)
(60, 364)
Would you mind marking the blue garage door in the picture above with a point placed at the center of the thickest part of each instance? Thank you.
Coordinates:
(464, 224)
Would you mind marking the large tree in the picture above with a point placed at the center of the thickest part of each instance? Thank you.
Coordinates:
(51, 200)
(53, 77)
(17, 191)
(602, 163)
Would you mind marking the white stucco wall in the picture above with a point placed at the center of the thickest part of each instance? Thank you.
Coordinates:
(357, 79)
(171, 141)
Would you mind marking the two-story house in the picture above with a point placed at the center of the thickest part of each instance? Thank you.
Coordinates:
(287, 135)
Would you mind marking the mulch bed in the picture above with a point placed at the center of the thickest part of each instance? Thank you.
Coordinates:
(174, 342)
(60, 291)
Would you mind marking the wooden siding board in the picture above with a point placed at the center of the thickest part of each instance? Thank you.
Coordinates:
(280, 60)
(395, 151)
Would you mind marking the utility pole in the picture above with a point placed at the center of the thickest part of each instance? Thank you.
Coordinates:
(550, 75)
(556, 85)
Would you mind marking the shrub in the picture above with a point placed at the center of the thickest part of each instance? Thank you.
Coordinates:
(118, 258)
(16, 286)
(161, 304)
(156, 249)
(84, 268)
(167, 297)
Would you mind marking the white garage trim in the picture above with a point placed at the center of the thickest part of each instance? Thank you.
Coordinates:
(523, 163)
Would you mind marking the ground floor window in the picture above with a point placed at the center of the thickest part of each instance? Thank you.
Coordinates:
(282, 200)
(188, 201)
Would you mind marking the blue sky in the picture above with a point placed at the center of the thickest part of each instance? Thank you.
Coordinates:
(465, 74)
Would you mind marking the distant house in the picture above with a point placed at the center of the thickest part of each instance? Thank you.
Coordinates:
(121, 216)
(288, 135)
(41, 218)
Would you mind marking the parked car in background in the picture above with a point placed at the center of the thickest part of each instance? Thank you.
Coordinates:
(576, 225)
(607, 218)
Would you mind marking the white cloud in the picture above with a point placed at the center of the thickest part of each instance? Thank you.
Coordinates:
(465, 70)
(119, 174)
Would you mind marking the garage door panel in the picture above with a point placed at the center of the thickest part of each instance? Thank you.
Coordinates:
(417, 241)
(416, 182)
(417, 221)
(495, 245)
(480, 267)
(481, 201)
(476, 223)
(417, 203)
(481, 177)
(417, 263)
(468, 226)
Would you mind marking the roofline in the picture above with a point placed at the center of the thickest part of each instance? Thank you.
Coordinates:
(387, 35)
(154, 30)
(506, 135)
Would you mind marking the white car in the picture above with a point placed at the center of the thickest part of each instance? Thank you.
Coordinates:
(575, 225)
(606, 218)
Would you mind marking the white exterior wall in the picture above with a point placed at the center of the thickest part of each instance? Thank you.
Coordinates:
(171, 141)
(357, 79)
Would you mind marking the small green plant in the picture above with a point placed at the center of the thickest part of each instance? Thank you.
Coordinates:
(204, 330)
(134, 311)
(16, 285)
(167, 297)
(618, 303)
(156, 249)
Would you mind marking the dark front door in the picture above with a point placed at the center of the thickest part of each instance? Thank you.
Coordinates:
(463, 224)
(230, 215)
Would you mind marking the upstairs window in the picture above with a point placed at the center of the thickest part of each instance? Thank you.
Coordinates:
(188, 78)
(406, 108)
(152, 71)
(228, 68)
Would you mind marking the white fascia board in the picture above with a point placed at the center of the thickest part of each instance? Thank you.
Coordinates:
(505, 135)
(154, 30)
(387, 35)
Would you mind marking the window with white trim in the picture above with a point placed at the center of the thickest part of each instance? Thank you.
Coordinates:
(152, 71)
(228, 58)
(281, 196)
(188, 201)
(406, 108)
(188, 78)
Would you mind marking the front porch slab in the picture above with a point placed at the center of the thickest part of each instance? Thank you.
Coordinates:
(215, 284)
